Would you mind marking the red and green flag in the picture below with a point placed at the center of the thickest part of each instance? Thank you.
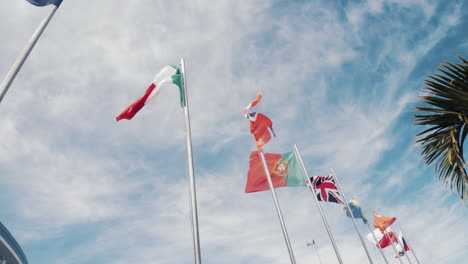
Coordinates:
(284, 171)
(168, 76)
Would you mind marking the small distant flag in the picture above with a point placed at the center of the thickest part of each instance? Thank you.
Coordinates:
(401, 253)
(326, 190)
(357, 211)
(261, 126)
(45, 2)
(168, 75)
(382, 222)
(403, 242)
(284, 171)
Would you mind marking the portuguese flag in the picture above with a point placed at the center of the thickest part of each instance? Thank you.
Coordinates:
(284, 171)
(169, 75)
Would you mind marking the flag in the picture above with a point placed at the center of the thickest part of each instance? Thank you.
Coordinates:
(45, 2)
(382, 222)
(261, 126)
(388, 240)
(168, 75)
(403, 242)
(401, 253)
(326, 189)
(382, 240)
(284, 171)
(357, 211)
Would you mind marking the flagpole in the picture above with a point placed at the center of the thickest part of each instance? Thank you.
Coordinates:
(324, 219)
(278, 209)
(411, 248)
(315, 246)
(193, 196)
(403, 248)
(393, 246)
(352, 217)
(370, 230)
(25, 53)
(389, 239)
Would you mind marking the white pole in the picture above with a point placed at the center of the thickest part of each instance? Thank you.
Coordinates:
(315, 246)
(370, 230)
(393, 246)
(327, 227)
(352, 217)
(403, 248)
(193, 196)
(411, 248)
(25, 53)
(278, 209)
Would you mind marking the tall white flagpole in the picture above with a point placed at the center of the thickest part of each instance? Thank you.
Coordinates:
(193, 196)
(352, 217)
(370, 230)
(393, 245)
(25, 53)
(400, 243)
(411, 248)
(327, 227)
(278, 209)
(315, 246)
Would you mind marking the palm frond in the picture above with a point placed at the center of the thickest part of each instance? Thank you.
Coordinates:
(446, 113)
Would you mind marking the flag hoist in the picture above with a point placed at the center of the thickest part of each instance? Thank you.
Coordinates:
(261, 128)
(174, 76)
(27, 49)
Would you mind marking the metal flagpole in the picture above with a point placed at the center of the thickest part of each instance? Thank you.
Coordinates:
(25, 53)
(403, 248)
(315, 246)
(411, 248)
(393, 246)
(390, 240)
(375, 238)
(193, 196)
(327, 227)
(278, 209)
(352, 217)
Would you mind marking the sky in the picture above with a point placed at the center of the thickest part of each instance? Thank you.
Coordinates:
(340, 79)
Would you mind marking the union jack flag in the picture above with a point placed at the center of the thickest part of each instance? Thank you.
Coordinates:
(326, 189)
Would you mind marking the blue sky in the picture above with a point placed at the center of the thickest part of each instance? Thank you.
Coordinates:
(339, 78)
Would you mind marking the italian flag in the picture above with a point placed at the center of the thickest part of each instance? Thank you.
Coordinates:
(284, 171)
(169, 75)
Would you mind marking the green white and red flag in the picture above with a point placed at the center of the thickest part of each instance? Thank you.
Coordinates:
(169, 75)
(284, 171)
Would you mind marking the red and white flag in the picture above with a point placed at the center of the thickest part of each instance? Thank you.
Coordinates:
(261, 126)
(168, 75)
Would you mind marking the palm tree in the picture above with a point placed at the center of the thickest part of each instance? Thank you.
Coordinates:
(447, 117)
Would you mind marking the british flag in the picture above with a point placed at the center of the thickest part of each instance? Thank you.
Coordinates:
(326, 189)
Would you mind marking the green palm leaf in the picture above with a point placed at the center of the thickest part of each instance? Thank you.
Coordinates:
(446, 114)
